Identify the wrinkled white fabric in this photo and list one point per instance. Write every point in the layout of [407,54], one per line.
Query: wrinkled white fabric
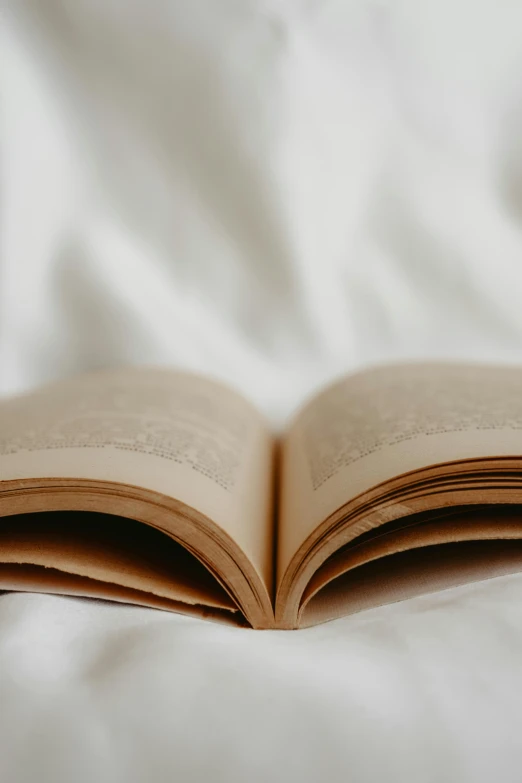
[273,193]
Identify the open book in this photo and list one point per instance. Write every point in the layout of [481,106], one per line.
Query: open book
[166,489]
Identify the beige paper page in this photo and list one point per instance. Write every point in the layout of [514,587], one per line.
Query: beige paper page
[170,432]
[120,553]
[375,425]
[413,573]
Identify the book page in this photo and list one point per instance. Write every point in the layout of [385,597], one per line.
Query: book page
[170,432]
[373,426]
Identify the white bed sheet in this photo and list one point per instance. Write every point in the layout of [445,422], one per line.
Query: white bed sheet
[273,193]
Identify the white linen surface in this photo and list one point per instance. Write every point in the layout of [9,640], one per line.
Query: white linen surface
[273,193]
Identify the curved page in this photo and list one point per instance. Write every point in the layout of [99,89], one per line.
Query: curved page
[373,426]
[169,432]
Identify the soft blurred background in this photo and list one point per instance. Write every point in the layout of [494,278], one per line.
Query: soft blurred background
[269,192]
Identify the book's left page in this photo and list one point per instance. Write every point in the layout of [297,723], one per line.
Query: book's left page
[181,453]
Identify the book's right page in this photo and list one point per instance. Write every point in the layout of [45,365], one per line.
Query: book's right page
[376,426]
